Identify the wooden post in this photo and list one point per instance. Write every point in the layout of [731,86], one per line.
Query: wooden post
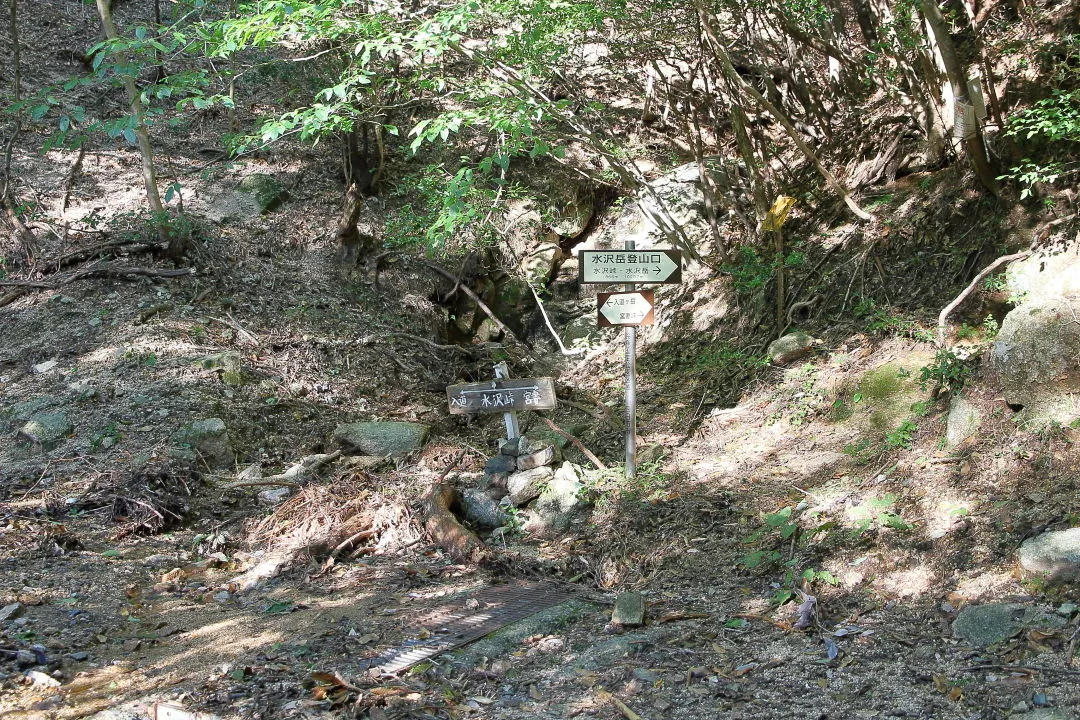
[510,418]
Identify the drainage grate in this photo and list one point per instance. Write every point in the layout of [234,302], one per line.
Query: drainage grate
[470,618]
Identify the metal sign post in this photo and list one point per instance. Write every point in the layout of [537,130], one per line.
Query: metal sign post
[629,309]
[631,389]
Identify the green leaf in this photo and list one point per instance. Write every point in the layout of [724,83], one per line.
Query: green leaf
[129,135]
[114,553]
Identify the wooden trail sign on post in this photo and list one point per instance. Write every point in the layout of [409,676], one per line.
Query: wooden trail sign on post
[501,396]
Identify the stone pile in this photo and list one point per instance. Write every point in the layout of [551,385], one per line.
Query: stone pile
[529,479]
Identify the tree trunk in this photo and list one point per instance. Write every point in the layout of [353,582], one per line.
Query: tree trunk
[16,49]
[165,232]
[972,138]
[733,77]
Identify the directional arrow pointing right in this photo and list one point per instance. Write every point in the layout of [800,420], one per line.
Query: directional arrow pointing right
[666,268]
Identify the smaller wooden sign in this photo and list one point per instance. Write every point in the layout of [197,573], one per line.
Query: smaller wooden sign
[502,396]
[623,309]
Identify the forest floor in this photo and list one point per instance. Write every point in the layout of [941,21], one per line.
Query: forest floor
[898,534]
[830,479]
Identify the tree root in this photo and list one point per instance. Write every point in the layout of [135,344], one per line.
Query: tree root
[577,443]
[944,315]
[444,528]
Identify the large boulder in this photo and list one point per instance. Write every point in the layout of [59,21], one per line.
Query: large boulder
[265,190]
[791,347]
[1037,359]
[1045,275]
[1054,554]
[681,193]
[382,438]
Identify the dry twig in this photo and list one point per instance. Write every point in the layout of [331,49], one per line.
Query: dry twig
[577,443]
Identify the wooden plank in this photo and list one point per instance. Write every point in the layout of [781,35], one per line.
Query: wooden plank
[500,396]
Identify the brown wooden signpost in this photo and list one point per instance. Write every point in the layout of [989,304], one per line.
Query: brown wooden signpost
[501,396]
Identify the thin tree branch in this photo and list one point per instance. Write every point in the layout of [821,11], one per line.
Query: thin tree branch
[943,316]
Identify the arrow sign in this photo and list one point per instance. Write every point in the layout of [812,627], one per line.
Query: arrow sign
[630,266]
[625,308]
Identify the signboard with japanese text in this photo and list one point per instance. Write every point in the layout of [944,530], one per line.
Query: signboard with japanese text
[502,396]
[625,308]
[630,266]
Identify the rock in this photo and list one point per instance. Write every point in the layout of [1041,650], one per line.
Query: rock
[791,347]
[571,210]
[1055,554]
[80,656]
[1045,275]
[527,485]
[580,332]
[12,611]
[560,500]
[23,411]
[545,456]
[963,421]
[25,658]
[500,464]
[521,445]
[382,438]
[266,191]
[230,363]
[481,510]
[494,485]
[251,473]
[1044,714]
[44,367]
[629,610]
[684,198]
[209,438]
[983,625]
[41,679]
[368,463]
[275,496]
[1036,357]
[231,206]
[47,429]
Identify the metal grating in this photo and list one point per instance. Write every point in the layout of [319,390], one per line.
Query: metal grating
[470,618]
